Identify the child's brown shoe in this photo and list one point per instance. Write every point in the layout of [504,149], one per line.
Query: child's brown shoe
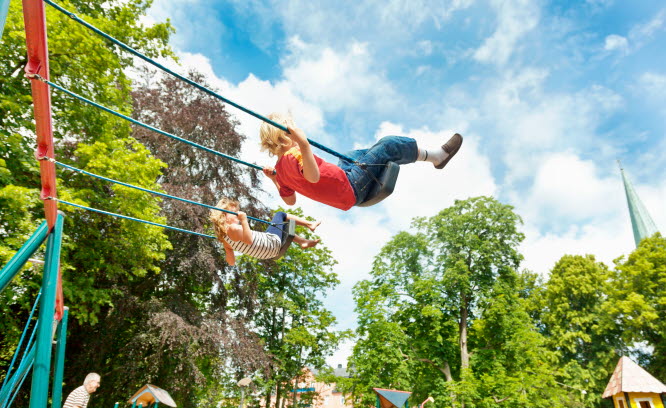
[450,148]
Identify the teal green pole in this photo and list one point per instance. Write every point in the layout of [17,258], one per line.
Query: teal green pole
[21,257]
[4,8]
[61,336]
[134,404]
[378,403]
[24,366]
[114,405]
[40,373]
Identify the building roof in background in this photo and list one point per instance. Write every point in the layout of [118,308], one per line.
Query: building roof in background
[149,394]
[641,222]
[630,377]
[391,398]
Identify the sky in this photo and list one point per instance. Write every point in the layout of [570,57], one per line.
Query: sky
[548,95]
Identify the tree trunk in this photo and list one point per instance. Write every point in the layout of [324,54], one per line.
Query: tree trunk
[268,398]
[464,353]
[278,400]
[293,402]
[464,314]
[447,372]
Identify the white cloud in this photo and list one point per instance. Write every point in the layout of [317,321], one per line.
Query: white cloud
[336,81]
[568,188]
[653,85]
[638,36]
[533,122]
[515,19]
[644,32]
[616,43]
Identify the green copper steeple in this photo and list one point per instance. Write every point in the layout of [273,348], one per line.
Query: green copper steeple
[641,222]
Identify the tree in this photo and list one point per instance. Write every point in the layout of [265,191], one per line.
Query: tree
[100,253]
[639,302]
[184,307]
[578,329]
[289,315]
[429,289]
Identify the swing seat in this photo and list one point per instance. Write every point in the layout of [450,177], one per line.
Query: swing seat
[288,234]
[384,187]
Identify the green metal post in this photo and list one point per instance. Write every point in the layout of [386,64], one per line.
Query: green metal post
[114,405]
[134,404]
[21,257]
[61,338]
[378,403]
[4,8]
[40,374]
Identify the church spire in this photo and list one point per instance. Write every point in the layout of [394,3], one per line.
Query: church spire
[641,222]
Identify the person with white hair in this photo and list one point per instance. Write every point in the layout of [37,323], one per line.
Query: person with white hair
[80,396]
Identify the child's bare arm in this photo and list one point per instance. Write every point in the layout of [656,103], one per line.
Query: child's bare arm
[229,254]
[247,232]
[310,168]
[269,172]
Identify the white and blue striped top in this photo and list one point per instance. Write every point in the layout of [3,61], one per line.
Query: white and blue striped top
[264,245]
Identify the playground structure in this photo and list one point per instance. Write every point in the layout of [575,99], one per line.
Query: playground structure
[631,386]
[391,398]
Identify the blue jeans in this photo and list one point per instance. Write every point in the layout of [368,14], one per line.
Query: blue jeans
[398,149]
[279,219]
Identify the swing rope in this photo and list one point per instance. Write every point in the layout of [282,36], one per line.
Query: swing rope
[150,191]
[129,218]
[136,122]
[187,80]
[20,343]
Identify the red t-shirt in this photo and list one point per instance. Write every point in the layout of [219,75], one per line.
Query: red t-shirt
[332,189]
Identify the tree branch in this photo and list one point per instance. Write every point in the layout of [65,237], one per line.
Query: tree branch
[498,400]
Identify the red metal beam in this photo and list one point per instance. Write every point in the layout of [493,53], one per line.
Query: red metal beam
[34,18]
[38,63]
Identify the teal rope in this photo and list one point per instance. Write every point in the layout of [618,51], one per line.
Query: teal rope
[151,191]
[131,218]
[136,122]
[25,375]
[16,391]
[189,81]
[27,354]
[20,343]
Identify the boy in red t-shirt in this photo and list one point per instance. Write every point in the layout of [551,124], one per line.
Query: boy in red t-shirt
[299,170]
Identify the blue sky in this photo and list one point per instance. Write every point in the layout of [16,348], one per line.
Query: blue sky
[546,94]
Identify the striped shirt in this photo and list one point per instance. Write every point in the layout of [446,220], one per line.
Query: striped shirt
[77,398]
[264,245]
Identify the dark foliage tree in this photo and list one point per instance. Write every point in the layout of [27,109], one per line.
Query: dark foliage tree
[175,327]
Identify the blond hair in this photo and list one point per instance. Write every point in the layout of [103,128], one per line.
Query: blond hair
[274,139]
[219,218]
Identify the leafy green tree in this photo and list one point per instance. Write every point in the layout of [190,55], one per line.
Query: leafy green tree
[100,254]
[639,302]
[576,326]
[511,364]
[289,315]
[443,313]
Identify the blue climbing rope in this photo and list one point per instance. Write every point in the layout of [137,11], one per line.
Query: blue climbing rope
[20,343]
[150,191]
[189,81]
[136,122]
[130,218]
